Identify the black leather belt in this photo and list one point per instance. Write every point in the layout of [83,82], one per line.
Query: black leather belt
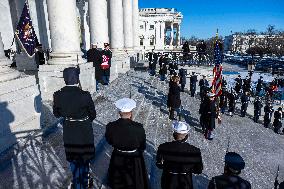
[174,173]
[79,120]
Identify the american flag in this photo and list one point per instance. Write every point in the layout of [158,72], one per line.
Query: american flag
[25,32]
[217,71]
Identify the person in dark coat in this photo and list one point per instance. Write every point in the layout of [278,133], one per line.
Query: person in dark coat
[232,102]
[127,168]
[163,72]
[203,84]
[277,124]
[210,116]
[178,160]
[202,112]
[77,108]
[174,101]
[268,110]
[95,56]
[239,83]
[106,63]
[39,55]
[182,75]
[244,101]
[257,109]
[193,81]
[230,179]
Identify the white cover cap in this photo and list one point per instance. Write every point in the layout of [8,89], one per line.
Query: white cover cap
[180,127]
[125,105]
[211,94]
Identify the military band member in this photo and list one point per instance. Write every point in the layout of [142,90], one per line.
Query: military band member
[193,81]
[178,159]
[163,72]
[268,110]
[77,108]
[223,101]
[247,84]
[127,167]
[239,84]
[277,124]
[244,101]
[257,109]
[230,179]
[259,85]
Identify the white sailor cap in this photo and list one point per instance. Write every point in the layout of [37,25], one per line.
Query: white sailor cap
[180,127]
[211,94]
[125,105]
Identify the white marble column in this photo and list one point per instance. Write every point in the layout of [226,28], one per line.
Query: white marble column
[163,26]
[98,22]
[172,34]
[178,35]
[127,24]
[116,25]
[64,30]
[6,73]
[135,23]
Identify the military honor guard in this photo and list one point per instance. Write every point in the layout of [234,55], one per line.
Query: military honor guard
[230,179]
[174,100]
[210,115]
[127,167]
[231,102]
[78,110]
[178,159]
[163,71]
[244,101]
[193,81]
[257,109]
[277,124]
[239,83]
[106,63]
[268,110]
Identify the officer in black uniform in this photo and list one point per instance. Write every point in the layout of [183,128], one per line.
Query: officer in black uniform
[203,84]
[193,81]
[77,108]
[174,100]
[247,84]
[230,179]
[277,124]
[210,115]
[244,101]
[268,110]
[223,100]
[239,83]
[178,159]
[163,72]
[127,137]
[257,109]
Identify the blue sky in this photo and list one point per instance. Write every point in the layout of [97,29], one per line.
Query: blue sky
[203,17]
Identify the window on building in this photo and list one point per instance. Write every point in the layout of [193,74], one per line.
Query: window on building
[141,41]
[152,27]
[141,26]
[152,41]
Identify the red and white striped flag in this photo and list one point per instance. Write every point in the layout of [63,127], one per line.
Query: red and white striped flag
[217,71]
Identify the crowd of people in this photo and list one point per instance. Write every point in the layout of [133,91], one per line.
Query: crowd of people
[177,159]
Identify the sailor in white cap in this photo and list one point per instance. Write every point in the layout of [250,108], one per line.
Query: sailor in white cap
[128,139]
[178,159]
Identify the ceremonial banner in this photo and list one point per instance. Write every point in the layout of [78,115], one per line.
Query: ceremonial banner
[25,32]
[217,71]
